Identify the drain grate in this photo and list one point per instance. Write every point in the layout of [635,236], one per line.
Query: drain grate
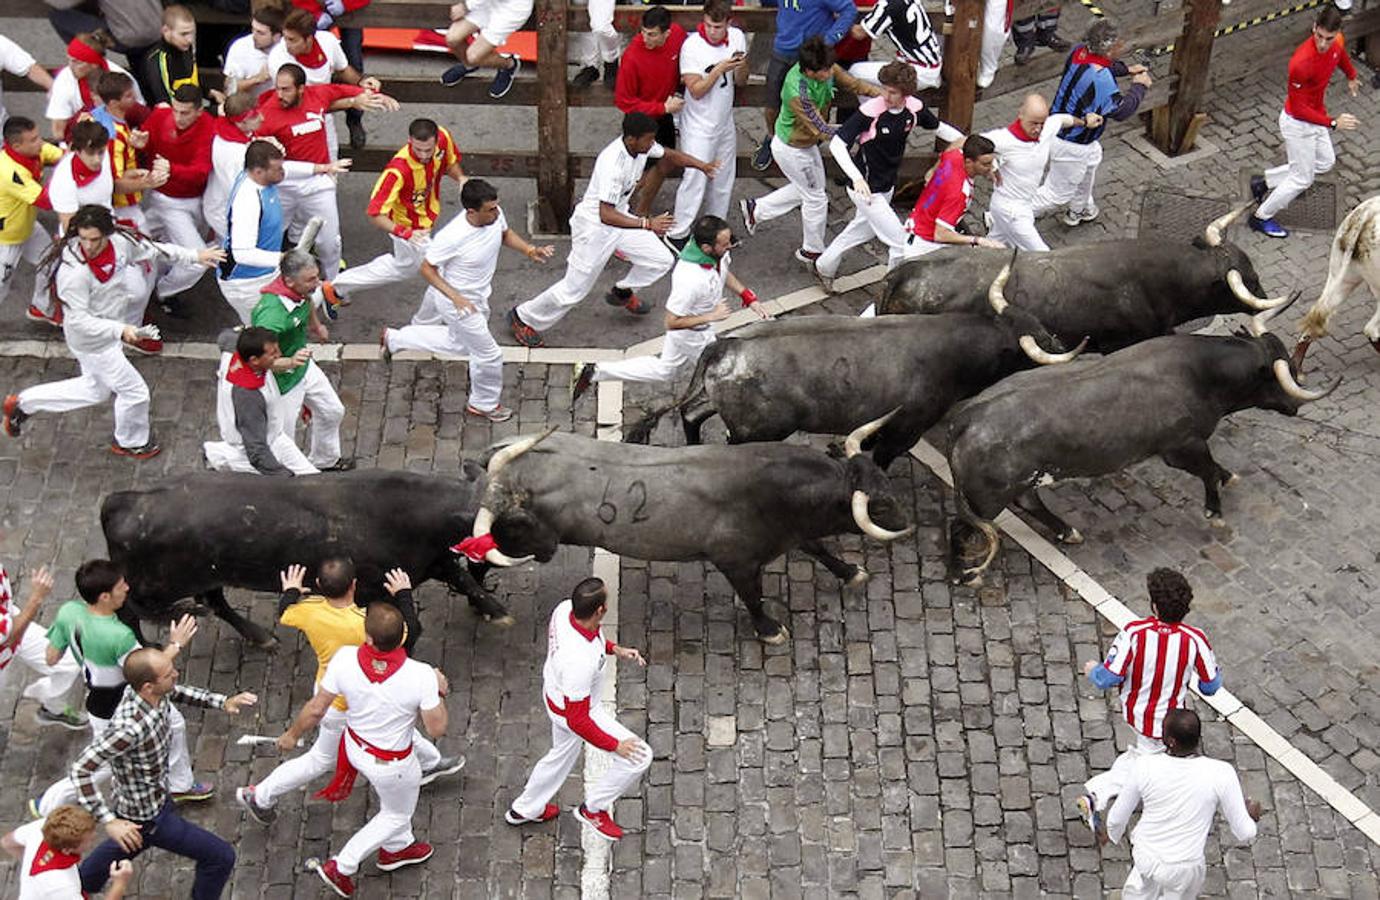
[1315,208]
[1175,216]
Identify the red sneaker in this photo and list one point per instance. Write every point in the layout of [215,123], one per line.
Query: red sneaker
[343,885]
[145,452]
[419,852]
[601,822]
[551,812]
[34,314]
[525,334]
[14,416]
[637,306]
[147,346]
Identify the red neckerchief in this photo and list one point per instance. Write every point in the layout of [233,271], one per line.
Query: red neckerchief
[315,58]
[33,163]
[102,264]
[1082,55]
[279,286]
[378,667]
[712,43]
[89,100]
[48,859]
[1017,129]
[240,374]
[230,131]
[582,630]
[81,174]
[475,548]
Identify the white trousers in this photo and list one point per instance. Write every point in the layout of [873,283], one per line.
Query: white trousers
[601,43]
[551,770]
[1105,786]
[994,34]
[177,220]
[679,349]
[298,209]
[30,250]
[1072,169]
[804,169]
[50,688]
[102,374]
[1310,153]
[242,294]
[1013,224]
[226,457]
[320,759]
[918,246]
[591,245]
[316,393]
[402,262]
[180,776]
[925,76]
[458,335]
[698,193]
[1150,879]
[396,785]
[872,218]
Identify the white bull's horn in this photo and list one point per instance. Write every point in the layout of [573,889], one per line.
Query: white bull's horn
[511,452]
[852,445]
[1243,293]
[1045,358]
[869,527]
[1292,387]
[483,522]
[1213,233]
[1259,323]
[996,294]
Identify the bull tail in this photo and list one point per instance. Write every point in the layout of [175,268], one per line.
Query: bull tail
[1353,230]
[641,431]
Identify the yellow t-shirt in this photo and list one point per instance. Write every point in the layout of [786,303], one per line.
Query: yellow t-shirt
[19,190]
[328,628]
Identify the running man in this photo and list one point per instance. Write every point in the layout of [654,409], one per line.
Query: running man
[944,201]
[490,23]
[918,45]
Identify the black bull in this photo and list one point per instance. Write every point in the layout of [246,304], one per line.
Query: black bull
[738,507]
[1162,397]
[195,535]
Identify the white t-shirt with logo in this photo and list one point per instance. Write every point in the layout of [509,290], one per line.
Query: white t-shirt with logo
[51,884]
[466,256]
[615,177]
[714,110]
[66,196]
[575,665]
[15,60]
[244,60]
[383,713]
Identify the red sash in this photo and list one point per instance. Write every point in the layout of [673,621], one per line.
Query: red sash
[345,772]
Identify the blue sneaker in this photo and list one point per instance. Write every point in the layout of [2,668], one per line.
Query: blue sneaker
[1268,227]
[1258,188]
[503,81]
[761,160]
[456,73]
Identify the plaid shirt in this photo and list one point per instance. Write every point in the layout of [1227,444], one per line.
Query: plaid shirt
[136,748]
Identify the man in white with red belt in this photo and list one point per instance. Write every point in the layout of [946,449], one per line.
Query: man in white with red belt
[572,685]
[386,692]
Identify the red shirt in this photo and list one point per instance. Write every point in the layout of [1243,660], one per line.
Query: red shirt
[188,152]
[647,77]
[1309,73]
[302,129]
[944,199]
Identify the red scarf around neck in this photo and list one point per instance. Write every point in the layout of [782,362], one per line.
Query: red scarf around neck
[81,173]
[314,58]
[713,43]
[102,265]
[378,666]
[1017,129]
[48,859]
[33,163]
[241,375]
[280,287]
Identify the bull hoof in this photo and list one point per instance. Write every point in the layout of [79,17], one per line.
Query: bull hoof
[860,577]
[503,621]
[1227,480]
[1073,536]
[782,635]
[969,577]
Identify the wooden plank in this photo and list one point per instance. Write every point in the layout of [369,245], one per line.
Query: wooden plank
[961,51]
[1192,62]
[555,189]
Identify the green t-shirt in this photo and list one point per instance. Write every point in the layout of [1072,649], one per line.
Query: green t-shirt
[99,643]
[291,327]
[821,94]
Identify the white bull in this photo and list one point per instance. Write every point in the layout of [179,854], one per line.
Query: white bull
[1355,258]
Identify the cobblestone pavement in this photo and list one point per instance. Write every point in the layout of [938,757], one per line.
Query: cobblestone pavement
[913,739]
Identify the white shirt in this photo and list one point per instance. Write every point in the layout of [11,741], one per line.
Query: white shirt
[383,713]
[8,608]
[95,310]
[53,884]
[330,48]
[574,667]
[696,288]
[714,110]
[1181,796]
[15,60]
[244,60]
[1022,163]
[64,100]
[64,194]
[615,177]
[466,257]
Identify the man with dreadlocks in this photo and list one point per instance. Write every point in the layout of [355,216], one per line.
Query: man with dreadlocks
[99,274]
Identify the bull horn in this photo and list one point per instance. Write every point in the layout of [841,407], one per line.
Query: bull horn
[1242,293]
[1044,357]
[869,527]
[996,294]
[852,445]
[1260,322]
[1213,233]
[516,449]
[483,522]
[1292,387]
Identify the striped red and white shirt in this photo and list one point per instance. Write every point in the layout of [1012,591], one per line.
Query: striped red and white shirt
[1153,661]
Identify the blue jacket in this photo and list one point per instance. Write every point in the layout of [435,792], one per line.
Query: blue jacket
[1089,85]
[797,20]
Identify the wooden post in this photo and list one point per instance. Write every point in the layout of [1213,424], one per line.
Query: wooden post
[962,52]
[555,188]
[1174,126]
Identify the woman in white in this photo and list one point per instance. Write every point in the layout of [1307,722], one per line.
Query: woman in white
[74,88]
[99,267]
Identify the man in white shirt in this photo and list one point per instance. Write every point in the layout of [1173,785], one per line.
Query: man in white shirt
[459,269]
[246,59]
[573,690]
[601,226]
[696,302]
[713,61]
[49,850]
[1180,792]
[17,61]
[1022,156]
[81,177]
[386,692]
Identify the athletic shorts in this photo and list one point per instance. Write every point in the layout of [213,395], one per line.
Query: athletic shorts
[498,19]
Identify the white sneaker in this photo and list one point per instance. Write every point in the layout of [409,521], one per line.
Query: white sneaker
[1073,219]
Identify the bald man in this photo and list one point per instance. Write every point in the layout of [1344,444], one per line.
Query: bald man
[1022,155]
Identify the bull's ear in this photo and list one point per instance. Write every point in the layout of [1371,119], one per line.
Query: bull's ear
[1200,243]
[472,470]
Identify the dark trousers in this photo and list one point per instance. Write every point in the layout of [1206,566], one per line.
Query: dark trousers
[168,831]
[352,43]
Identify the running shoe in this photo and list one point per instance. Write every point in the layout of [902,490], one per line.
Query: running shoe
[67,718]
[201,790]
[749,211]
[448,765]
[147,451]
[601,823]
[585,77]
[264,815]
[580,381]
[418,852]
[550,812]
[525,334]
[343,885]
[499,413]
[456,73]
[761,160]
[14,416]
[1268,227]
[503,81]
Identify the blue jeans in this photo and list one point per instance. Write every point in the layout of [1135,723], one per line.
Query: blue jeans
[352,44]
[169,831]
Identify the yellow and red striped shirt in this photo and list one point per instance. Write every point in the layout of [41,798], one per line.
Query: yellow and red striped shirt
[409,192]
[122,158]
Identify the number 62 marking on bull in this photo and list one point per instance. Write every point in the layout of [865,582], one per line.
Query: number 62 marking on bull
[607,511]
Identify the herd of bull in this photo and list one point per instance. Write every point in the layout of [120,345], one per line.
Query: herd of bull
[983,337]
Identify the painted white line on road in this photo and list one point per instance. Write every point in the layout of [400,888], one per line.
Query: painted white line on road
[1241,717]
